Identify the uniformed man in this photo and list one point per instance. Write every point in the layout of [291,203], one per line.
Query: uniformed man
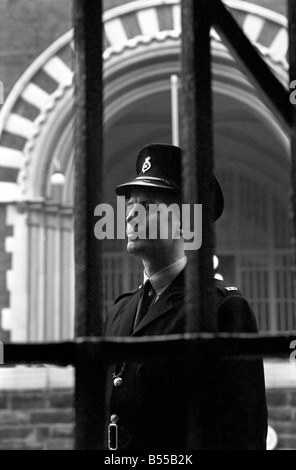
[147,399]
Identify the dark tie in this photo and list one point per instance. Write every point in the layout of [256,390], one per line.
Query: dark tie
[148,295]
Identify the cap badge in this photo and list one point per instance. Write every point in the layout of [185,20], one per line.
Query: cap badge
[146,165]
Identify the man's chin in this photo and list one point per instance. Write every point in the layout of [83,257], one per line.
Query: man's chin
[135,247]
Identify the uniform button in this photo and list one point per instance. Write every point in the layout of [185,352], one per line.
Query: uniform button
[114,419]
[117,382]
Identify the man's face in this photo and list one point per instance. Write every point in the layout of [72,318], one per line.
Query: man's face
[151,228]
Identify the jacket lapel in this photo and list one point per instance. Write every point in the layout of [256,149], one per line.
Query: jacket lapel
[164,303]
[127,315]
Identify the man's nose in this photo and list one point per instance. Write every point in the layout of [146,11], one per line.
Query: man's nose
[131,213]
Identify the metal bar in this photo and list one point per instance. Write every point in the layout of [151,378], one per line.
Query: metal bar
[90,367]
[57,354]
[292,61]
[259,73]
[197,174]
[90,382]
[212,345]
[88,166]
[198,160]
[228,345]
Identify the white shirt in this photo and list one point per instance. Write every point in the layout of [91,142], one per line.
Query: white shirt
[160,281]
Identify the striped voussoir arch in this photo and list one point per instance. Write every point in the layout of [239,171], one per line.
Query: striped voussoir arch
[45,81]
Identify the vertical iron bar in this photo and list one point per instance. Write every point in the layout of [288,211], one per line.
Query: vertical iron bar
[197,188]
[292,61]
[88,194]
[198,160]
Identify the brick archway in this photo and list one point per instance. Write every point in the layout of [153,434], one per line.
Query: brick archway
[45,84]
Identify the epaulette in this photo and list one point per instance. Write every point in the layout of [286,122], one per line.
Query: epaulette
[226,288]
[126,294]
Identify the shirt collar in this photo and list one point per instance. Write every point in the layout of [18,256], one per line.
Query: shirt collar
[161,280]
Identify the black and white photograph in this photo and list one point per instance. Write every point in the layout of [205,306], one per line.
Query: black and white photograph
[147,227]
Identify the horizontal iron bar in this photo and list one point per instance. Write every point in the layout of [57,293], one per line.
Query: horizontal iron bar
[189,345]
[59,354]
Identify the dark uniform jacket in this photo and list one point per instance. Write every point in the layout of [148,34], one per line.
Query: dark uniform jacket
[152,402]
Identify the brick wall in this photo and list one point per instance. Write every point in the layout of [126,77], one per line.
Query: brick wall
[36,420]
[282,416]
[26,29]
[44,420]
